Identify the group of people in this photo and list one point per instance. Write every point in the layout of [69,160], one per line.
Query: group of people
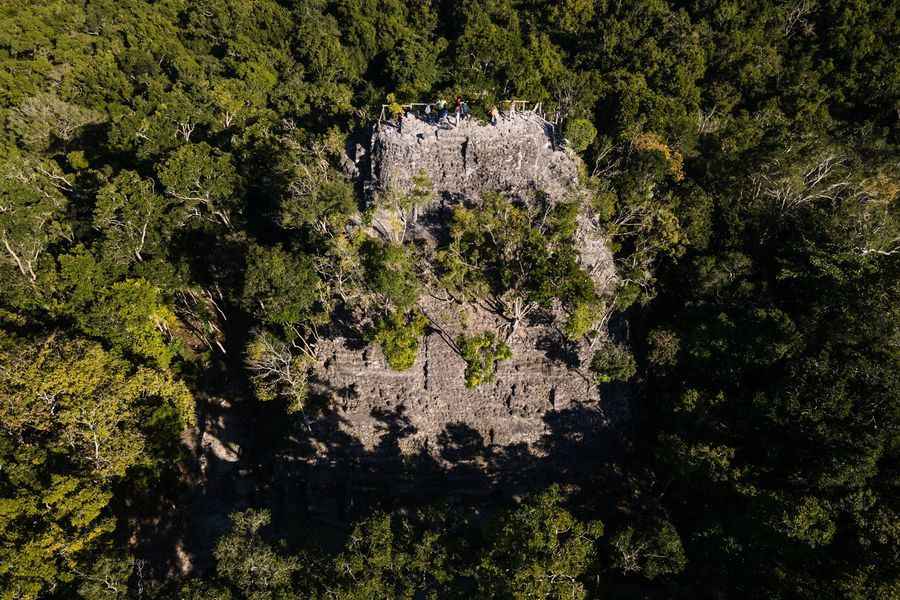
[440,112]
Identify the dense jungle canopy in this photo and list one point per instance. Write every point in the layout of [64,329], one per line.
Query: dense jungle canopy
[176,225]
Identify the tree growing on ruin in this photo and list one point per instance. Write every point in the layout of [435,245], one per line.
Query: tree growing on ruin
[398,336]
[482,352]
[390,273]
[519,259]
[401,208]
[279,370]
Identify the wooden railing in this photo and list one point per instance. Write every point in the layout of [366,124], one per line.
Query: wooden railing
[507,107]
[518,106]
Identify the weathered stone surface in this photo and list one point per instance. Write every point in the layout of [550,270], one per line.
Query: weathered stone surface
[433,394]
[546,375]
[518,156]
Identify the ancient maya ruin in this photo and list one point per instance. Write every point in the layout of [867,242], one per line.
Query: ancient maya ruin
[521,156]
[421,432]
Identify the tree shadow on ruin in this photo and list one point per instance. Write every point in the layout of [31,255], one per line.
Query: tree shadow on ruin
[319,479]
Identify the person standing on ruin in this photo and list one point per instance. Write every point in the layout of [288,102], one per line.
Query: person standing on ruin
[495,115]
[458,109]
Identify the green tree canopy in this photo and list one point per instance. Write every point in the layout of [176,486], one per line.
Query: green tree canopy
[280,287]
[73,420]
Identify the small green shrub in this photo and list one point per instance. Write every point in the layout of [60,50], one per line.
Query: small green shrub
[482,353]
[580,320]
[398,335]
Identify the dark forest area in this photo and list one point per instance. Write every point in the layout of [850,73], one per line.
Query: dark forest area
[178,228]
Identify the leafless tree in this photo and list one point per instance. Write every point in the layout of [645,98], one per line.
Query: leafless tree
[874,215]
[43,117]
[184,130]
[707,121]
[280,369]
[796,17]
[785,190]
[607,162]
[198,310]
[30,221]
